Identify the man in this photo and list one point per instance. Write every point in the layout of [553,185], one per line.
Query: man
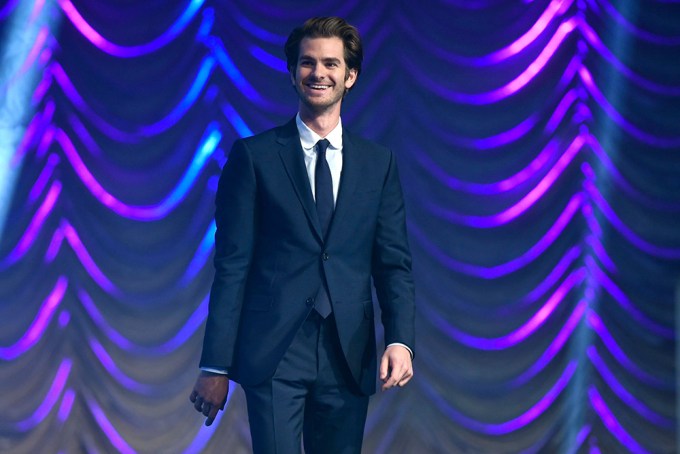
[307,214]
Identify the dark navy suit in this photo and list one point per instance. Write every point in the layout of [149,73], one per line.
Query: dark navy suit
[271,258]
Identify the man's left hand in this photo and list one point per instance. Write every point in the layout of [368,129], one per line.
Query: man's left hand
[396,368]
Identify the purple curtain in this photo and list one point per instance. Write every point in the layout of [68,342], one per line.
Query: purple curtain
[539,150]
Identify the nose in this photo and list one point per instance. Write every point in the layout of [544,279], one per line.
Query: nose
[318,72]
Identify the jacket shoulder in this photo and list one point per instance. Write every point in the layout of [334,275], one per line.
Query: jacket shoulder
[368,152]
[266,139]
[366,144]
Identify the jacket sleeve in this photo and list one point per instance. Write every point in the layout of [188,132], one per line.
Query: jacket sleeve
[391,264]
[235,216]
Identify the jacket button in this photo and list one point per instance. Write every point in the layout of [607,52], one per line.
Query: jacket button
[324,256]
[309,301]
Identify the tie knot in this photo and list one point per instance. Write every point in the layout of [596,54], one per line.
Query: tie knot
[322,145]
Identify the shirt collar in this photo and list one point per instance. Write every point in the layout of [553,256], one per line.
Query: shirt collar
[309,138]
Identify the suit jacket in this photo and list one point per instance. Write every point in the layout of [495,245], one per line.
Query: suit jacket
[271,257]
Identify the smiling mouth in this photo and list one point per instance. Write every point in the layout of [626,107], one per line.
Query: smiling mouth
[318,87]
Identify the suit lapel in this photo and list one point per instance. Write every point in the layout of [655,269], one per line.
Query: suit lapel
[292,157]
[351,172]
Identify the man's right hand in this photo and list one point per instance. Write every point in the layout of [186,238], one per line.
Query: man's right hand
[210,394]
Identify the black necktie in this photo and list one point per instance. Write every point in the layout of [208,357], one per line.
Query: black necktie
[323,191]
[323,186]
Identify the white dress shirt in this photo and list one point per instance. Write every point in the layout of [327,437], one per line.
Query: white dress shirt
[308,140]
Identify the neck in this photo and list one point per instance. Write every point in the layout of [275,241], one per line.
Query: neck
[321,123]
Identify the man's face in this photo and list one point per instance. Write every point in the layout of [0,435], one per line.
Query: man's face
[321,75]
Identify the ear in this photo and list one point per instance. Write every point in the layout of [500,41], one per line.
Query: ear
[351,79]
[291,72]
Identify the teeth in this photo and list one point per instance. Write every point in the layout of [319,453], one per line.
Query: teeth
[319,87]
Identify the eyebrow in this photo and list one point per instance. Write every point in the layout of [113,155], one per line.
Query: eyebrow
[325,60]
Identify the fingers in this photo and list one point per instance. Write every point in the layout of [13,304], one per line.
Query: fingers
[399,377]
[206,408]
[201,405]
[212,414]
[393,379]
[384,365]
[405,378]
[209,395]
[390,381]
[198,404]
[398,366]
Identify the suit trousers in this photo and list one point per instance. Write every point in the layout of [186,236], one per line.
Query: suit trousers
[311,394]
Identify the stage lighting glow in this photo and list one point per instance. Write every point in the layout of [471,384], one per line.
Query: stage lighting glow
[24,38]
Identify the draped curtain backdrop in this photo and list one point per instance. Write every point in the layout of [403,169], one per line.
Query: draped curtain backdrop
[539,150]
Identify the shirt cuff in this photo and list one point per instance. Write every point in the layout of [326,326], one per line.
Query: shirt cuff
[403,345]
[216,371]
